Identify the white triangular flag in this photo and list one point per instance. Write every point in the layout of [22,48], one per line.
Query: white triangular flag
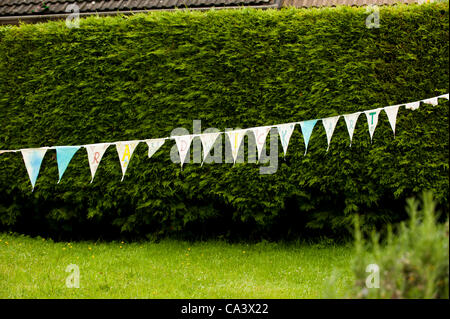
[433,101]
[443,96]
[372,120]
[329,124]
[33,159]
[235,138]
[125,151]
[350,120]
[183,145]
[260,137]
[285,132]
[95,154]
[154,145]
[208,140]
[391,112]
[412,106]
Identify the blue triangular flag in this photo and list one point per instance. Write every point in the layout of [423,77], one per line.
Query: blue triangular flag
[307,127]
[64,155]
[33,160]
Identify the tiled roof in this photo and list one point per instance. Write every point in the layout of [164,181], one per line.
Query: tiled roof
[329,3]
[43,7]
[11,11]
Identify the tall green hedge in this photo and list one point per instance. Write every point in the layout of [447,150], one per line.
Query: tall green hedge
[140,76]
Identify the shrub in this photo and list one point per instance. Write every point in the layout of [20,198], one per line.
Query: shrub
[413,262]
[140,76]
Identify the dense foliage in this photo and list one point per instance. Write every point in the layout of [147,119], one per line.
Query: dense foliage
[140,76]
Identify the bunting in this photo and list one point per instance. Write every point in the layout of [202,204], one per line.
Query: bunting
[372,120]
[391,112]
[235,138]
[350,120]
[208,140]
[125,151]
[33,157]
[183,144]
[329,124]
[307,127]
[285,132]
[95,154]
[64,155]
[260,138]
[154,145]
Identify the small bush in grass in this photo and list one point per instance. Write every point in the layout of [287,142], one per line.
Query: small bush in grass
[413,261]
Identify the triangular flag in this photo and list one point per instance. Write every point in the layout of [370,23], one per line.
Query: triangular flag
[154,145]
[372,120]
[412,106]
[307,127]
[208,140]
[235,141]
[260,137]
[183,145]
[64,155]
[350,120]
[95,153]
[285,132]
[433,101]
[443,96]
[125,151]
[329,124]
[391,112]
[33,160]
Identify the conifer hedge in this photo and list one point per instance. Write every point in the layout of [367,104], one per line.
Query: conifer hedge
[141,76]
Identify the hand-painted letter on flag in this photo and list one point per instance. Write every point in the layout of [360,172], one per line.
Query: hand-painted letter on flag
[208,140]
[33,160]
[329,124]
[235,138]
[260,138]
[307,127]
[154,145]
[183,145]
[125,151]
[372,120]
[95,154]
[350,120]
[285,132]
[391,112]
[64,155]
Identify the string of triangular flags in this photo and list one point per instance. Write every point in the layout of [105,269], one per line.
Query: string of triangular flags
[33,156]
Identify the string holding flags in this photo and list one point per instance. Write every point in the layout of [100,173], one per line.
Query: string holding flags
[33,157]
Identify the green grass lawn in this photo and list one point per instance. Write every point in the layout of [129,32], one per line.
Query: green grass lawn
[36,268]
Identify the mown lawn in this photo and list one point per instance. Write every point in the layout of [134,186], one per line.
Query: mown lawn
[36,268]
